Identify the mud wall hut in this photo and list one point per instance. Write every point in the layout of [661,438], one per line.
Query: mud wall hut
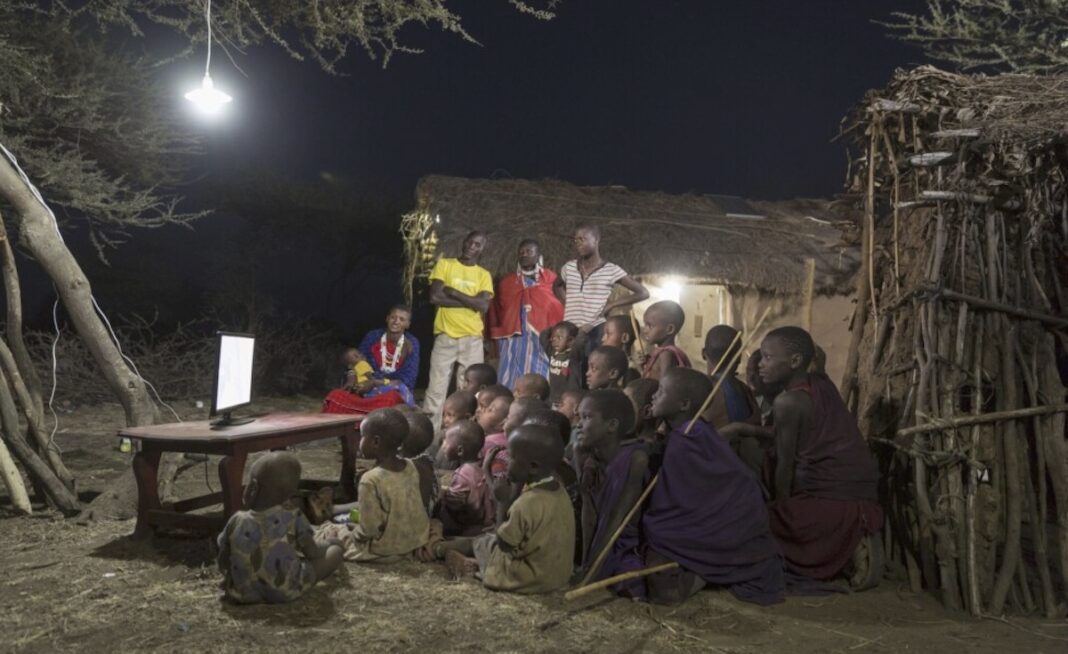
[723,258]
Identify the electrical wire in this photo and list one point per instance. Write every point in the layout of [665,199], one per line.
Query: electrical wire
[55,307]
[55,365]
[207,18]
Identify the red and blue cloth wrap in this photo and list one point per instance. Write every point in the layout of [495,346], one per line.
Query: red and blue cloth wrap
[399,391]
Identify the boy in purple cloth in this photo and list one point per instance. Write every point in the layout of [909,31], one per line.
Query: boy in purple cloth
[707,512]
[825,514]
[616,471]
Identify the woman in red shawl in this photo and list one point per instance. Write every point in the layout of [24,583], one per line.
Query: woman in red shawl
[523,306]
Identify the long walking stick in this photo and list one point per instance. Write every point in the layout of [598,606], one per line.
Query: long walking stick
[626,576]
[733,360]
[603,554]
[637,332]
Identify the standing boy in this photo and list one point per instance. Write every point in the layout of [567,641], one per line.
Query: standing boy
[586,282]
[461,289]
[662,322]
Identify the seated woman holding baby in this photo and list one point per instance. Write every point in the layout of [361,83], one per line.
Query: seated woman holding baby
[393,355]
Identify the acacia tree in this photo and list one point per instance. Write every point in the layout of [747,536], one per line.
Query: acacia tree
[96,133]
[1021,36]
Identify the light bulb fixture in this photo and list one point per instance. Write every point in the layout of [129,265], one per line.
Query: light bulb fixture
[669,289]
[207,98]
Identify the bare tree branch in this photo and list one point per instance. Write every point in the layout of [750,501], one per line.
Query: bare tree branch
[1022,36]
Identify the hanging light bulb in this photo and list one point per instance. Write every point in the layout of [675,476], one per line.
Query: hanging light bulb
[207,98]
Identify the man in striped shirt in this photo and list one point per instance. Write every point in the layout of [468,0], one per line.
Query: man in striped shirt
[586,283]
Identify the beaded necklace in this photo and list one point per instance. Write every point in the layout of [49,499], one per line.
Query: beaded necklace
[389,363]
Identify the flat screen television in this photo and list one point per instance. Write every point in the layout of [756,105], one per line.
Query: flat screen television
[233,377]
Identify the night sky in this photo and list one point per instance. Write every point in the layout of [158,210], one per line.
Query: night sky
[736,98]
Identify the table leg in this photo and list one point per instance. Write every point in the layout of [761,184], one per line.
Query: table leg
[350,446]
[146,473]
[231,472]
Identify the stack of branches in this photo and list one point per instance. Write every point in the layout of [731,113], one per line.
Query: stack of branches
[961,303]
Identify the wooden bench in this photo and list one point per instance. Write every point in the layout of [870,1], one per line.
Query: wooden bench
[234,444]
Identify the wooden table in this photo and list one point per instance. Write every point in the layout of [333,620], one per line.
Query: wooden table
[270,432]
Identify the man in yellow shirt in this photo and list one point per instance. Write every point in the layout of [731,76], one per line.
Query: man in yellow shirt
[461,289]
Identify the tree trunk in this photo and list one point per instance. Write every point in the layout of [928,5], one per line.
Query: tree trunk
[16,489]
[39,233]
[34,417]
[13,327]
[63,497]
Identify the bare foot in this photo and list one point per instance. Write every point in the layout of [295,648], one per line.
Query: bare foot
[459,566]
[868,563]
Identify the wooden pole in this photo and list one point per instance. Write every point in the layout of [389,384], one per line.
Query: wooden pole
[637,331]
[806,293]
[733,360]
[20,499]
[603,554]
[626,576]
[997,416]
[982,303]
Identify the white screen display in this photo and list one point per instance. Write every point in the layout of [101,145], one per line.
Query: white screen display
[235,371]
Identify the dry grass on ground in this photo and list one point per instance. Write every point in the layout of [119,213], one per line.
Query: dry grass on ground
[89,588]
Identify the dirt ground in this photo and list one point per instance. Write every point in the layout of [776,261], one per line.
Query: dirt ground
[67,587]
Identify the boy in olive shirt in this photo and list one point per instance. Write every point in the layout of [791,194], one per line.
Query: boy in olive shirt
[533,547]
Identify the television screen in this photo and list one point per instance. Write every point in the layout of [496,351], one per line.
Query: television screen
[233,374]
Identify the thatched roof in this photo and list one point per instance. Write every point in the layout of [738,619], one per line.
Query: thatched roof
[706,238]
[1019,111]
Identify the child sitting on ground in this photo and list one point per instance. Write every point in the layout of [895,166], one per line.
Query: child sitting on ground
[478,376]
[461,405]
[258,548]
[569,404]
[606,368]
[565,472]
[616,472]
[662,323]
[532,385]
[533,546]
[640,392]
[567,359]
[734,402]
[393,521]
[707,511]
[420,436]
[520,410]
[619,332]
[494,403]
[358,371]
[466,506]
